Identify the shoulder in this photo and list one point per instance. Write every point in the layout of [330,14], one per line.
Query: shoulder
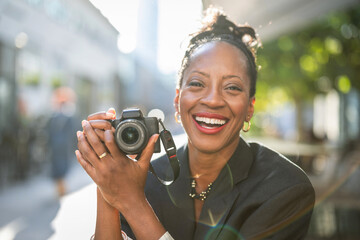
[272,162]
[271,174]
[276,190]
[274,183]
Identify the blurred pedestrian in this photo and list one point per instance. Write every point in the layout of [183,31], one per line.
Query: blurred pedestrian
[61,127]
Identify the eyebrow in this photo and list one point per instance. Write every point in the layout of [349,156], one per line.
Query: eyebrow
[223,78]
[232,76]
[201,73]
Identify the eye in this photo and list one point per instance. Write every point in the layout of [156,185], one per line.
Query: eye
[195,83]
[234,88]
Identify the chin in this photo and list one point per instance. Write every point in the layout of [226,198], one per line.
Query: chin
[211,143]
[208,146]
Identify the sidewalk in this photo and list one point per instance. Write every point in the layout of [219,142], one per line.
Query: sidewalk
[28,208]
[31,210]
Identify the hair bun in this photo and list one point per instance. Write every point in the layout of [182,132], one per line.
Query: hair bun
[221,25]
[216,23]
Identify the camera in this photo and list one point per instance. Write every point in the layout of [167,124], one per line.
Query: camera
[133,130]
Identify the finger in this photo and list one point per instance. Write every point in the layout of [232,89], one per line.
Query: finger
[89,169]
[93,139]
[111,145]
[100,134]
[112,111]
[100,124]
[146,154]
[86,150]
[79,146]
[109,114]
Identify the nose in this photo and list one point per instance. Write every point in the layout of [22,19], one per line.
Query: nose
[213,98]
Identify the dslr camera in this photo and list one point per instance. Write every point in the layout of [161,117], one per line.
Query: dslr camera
[133,130]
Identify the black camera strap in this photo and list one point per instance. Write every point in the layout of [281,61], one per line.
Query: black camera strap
[170,149]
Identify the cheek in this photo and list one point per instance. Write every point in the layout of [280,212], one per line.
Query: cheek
[239,109]
[186,100]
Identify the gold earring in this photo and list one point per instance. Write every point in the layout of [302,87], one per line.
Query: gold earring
[247,128]
[177,117]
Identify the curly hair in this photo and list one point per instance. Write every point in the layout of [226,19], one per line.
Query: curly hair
[217,27]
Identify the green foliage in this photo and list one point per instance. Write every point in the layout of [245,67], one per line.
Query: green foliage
[328,52]
[31,79]
[344,84]
[56,81]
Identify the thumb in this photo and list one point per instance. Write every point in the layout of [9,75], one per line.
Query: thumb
[146,154]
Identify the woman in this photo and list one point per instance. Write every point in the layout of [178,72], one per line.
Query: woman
[227,188]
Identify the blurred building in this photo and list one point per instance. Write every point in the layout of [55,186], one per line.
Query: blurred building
[148,88]
[146,75]
[45,44]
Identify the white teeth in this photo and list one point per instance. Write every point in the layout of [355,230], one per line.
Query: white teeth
[210,120]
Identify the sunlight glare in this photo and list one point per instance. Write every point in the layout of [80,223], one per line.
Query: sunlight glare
[123,16]
[176,21]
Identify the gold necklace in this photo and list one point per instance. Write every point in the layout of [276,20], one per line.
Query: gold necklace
[201,196]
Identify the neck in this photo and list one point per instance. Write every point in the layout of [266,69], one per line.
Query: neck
[206,166]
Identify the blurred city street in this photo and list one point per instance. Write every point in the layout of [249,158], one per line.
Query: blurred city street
[29,210]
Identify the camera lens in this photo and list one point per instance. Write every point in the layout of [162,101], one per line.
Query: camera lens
[130,135]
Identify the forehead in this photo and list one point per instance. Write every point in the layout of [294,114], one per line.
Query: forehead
[219,53]
[219,57]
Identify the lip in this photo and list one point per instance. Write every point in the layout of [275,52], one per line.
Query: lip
[209,115]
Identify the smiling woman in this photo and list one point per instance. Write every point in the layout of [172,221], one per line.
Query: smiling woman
[227,188]
[216,87]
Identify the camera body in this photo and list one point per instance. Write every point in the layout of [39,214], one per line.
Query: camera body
[133,131]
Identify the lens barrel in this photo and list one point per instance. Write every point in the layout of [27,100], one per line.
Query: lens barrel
[131,136]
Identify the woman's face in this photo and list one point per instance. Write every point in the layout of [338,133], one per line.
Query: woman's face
[213,100]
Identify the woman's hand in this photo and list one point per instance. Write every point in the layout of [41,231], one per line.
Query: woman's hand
[120,179]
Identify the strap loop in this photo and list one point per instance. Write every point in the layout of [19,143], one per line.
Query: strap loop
[170,149]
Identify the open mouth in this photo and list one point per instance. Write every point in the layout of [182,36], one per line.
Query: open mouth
[210,123]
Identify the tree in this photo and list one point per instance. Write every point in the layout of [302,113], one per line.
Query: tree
[317,59]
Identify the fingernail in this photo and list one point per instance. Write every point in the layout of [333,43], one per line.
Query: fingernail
[156,138]
[83,123]
[78,133]
[112,110]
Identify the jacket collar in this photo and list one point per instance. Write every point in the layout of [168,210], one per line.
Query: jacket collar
[240,162]
[219,202]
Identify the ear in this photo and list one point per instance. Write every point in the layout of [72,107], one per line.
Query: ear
[176,100]
[251,109]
